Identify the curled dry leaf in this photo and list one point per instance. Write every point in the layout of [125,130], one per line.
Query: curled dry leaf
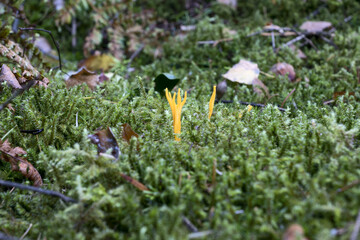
[7,75]
[127,132]
[134,182]
[105,140]
[294,232]
[83,76]
[98,62]
[221,89]
[19,164]
[315,26]
[284,69]
[300,54]
[246,72]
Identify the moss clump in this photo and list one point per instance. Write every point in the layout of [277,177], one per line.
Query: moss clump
[272,168]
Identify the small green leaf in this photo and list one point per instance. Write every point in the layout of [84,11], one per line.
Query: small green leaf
[165,80]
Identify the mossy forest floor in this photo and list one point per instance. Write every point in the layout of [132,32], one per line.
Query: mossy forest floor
[228,177]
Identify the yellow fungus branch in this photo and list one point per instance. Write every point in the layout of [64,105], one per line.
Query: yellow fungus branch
[212,101]
[176,110]
[249,107]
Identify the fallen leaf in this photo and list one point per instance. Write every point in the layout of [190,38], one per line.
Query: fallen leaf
[7,75]
[165,80]
[315,26]
[19,164]
[83,76]
[272,27]
[221,89]
[300,54]
[259,87]
[134,182]
[9,106]
[342,93]
[98,62]
[105,140]
[284,69]
[294,232]
[246,72]
[187,28]
[103,78]
[243,72]
[230,3]
[127,132]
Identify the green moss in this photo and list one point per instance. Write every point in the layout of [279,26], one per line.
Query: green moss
[274,168]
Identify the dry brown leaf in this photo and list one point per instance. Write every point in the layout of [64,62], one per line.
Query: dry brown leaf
[315,26]
[342,93]
[259,87]
[19,164]
[221,89]
[105,140]
[83,76]
[134,182]
[272,27]
[127,132]
[294,232]
[300,54]
[7,75]
[100,62]
[284,69]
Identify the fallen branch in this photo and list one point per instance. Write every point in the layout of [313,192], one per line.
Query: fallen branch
[17,92]
[52,38]
[292,91]
[351,185]
[215,42]
[39,190]
[189,224]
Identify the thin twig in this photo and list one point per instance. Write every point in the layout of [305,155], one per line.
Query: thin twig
[26,232]
[249,103]
[37,189]
[189,224]
[273,41]
[350,185]
[214,43]
[329,41]
[292,91]
[316,12]
[292,41]
[132,57]
[34,132]
[355,233]
[17,92]
[52,37]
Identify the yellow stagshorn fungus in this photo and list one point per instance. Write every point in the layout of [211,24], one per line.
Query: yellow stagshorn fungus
[176,110]
[211,103]
[248,109]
